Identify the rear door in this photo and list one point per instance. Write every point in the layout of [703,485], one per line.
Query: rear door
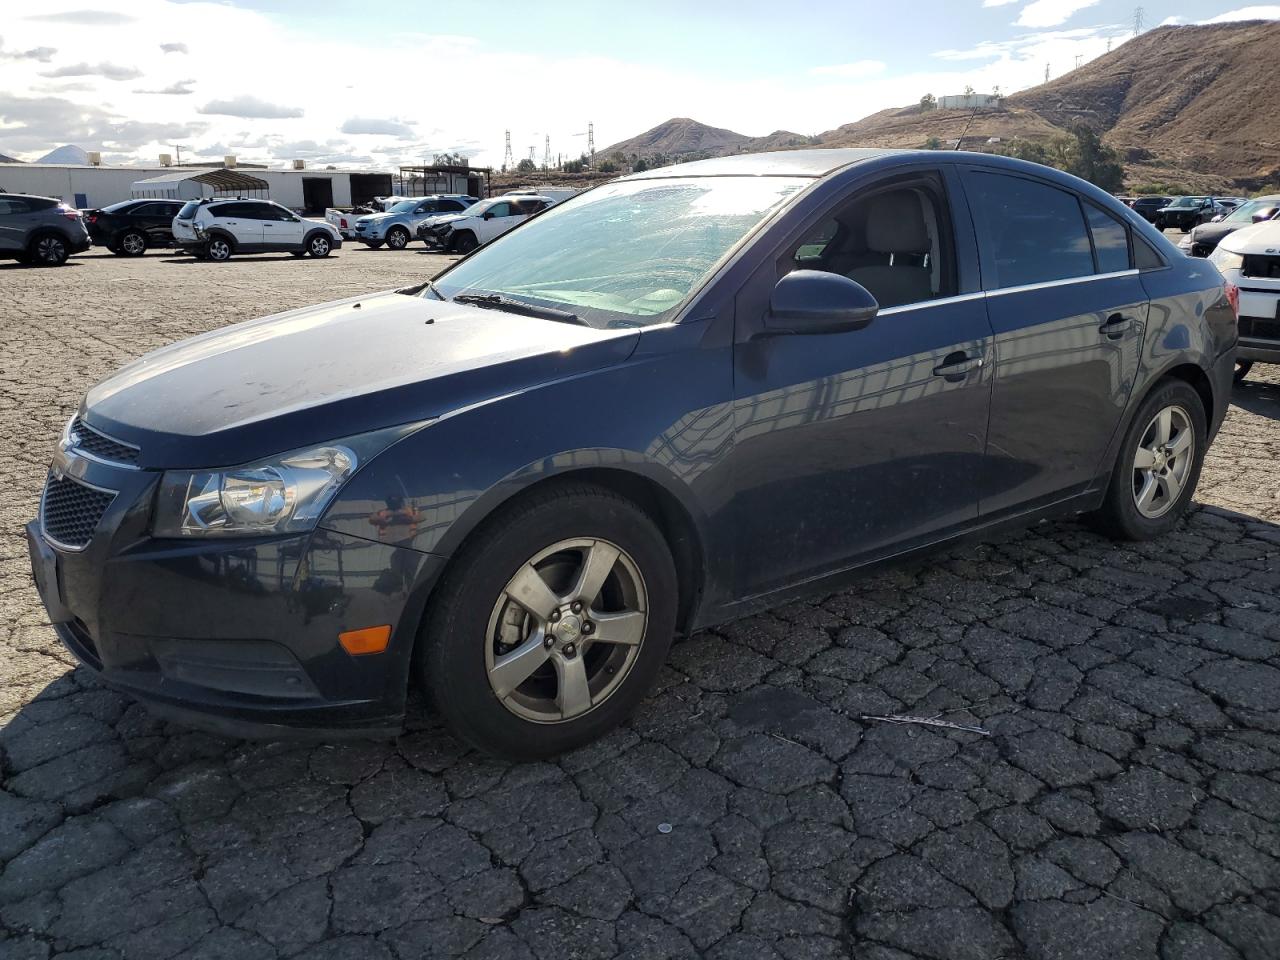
[1068,312]
[242,220]
[13,223]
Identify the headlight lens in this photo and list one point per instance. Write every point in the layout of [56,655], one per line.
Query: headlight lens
[284,494]
[1226,260]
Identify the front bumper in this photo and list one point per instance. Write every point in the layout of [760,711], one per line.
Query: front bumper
[238,637]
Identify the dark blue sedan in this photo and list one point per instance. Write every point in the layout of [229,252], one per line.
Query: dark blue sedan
[674,399]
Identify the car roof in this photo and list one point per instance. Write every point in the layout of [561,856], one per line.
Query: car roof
[1257,238]
[780,163]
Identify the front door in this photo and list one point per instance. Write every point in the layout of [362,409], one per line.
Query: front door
[858,444]
[1068,312]
[496,221]
[281,229]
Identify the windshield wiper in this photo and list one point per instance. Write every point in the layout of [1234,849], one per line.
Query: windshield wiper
[495,301]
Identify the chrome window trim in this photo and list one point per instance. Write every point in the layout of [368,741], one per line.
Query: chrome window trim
[1001,291]
[941,301]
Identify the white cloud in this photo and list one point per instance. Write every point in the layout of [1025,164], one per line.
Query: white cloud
[111,71]
[997,3]
[858,68]
[1050,13]
[174,48]
[1172,21]
[1268,11]
[250,107]
[393,128]
[180,88]
[39,54]
[88,18]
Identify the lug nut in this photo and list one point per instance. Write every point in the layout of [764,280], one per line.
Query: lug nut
[576,606]
[569,650]
[555,615]
[548,641]
[588,626]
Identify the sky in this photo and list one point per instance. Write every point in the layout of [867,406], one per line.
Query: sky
[376,84]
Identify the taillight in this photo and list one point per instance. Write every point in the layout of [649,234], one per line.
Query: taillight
[1233,298]
[344,222]
[91,218]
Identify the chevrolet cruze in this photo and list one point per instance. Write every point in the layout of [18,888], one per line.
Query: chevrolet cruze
[672,400]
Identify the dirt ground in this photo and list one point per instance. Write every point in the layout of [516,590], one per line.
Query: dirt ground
[1125,805]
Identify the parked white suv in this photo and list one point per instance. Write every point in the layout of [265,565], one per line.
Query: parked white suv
[1249,260]
[214,228]
[483,222]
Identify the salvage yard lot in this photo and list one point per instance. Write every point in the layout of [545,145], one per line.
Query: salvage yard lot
[1125,805]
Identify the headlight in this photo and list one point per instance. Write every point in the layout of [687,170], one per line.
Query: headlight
[284,494]
[1226,260]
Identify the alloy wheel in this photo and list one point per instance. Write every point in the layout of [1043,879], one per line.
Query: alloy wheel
[219,250]
[133,244]
[397,239]
[51,250]
[319,247]
[1163,461]
[566,630]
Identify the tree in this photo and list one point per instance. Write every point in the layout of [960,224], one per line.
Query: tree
[573,166]
[968,90]
[526,166]
[933,143]
[640,166]
[1081,154]
[928,102]
[608,166]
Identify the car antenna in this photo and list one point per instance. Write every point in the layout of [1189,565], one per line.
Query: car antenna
[966,129]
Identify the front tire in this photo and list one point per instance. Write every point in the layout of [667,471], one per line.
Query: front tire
[465,242]
[131,244]
[1158,465]
[376,245]
[551,624]
[397,238]
[319,245]
[1242,370]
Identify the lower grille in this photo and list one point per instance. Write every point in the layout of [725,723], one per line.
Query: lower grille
[1260,266]
[70,512]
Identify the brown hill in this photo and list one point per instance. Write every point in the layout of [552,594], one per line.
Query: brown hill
[1182,105]
[679,136]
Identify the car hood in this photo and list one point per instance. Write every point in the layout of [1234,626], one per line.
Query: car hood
[335,370]
[1263,238]
[376,217]
[1213,231]
[450,218]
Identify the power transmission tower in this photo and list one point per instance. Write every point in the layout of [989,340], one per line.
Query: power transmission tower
[1138,14]
[1108,44]
[1046,73]
[1079,57]
[591,143]
[508,161]
[546,155]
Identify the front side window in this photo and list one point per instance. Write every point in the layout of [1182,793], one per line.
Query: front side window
[1031,232]
[624,254]
[894,240]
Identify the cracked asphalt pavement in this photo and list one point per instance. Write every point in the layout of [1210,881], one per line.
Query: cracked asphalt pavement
[1125,804]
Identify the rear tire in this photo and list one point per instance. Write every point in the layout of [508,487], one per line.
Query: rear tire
[1242,370]
[218,249]
[578,682]
[376,245]
[397,238]
[132,243]
[1158,466]
[49,250]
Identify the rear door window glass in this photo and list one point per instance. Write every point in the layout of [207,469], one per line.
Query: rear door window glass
[1110,240]
[1030,232]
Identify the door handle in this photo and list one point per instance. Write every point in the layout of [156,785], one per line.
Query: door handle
[956,366]
[1117,326]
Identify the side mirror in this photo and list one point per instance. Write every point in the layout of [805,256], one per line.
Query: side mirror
[1263,216]
[812,301]
[488,214]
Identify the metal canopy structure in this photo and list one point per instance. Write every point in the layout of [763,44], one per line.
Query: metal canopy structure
[444,178]
[222,182]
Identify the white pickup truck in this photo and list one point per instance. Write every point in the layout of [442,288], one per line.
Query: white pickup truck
[344,218]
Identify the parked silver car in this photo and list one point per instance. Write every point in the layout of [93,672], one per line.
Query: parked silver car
[399,225]
[40,230]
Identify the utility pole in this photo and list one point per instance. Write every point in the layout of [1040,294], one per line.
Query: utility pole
[1108,44]
[546,155]
[1138,14]
[177,153]
[508,161]
[1079,57]
[591,143]
[1046,73]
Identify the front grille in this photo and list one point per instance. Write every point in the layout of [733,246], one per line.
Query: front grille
[99,445]
[70,512]
[1260,266]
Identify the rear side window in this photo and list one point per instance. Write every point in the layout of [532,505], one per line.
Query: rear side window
[1145,256]
[1031,232]
[10,207]
[1110,240]
[446,205]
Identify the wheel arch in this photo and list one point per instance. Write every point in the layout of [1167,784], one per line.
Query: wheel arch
[314,232]
[673,518]
[222,234]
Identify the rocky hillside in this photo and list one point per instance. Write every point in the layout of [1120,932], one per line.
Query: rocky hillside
[1182,105]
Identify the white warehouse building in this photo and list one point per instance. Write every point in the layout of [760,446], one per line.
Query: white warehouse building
[309,191]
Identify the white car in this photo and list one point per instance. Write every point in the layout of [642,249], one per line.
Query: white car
[1249,261]
[558,194]
[214,228]
[481,223]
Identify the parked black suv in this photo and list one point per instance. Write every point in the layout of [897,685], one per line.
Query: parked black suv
[129,227]
[40,230]
[1148,207]
[1185,213]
